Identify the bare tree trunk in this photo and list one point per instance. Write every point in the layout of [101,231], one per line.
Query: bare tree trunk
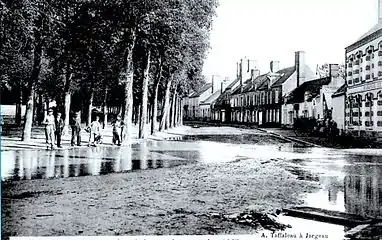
[27,131]
[168,114]
[19,105]
[166,107]
[177,111]
[105,109]
[173,112]
[129,73]
[155,99]
[181,112]
[143,113]
[90,106]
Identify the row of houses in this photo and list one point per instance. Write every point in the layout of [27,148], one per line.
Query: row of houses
[276,98]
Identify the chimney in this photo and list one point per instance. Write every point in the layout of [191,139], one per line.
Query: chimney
[334,70]
[241,72]
[299,64]
[274,66]
[221,87]
[237,69]
[379,11]
[254,73]
[212,89]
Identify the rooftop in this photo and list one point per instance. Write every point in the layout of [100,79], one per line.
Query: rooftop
[201,90]
[313,87]
[340,91]
[211,98]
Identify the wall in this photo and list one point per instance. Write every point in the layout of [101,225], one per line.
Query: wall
[338,113]
[290,84]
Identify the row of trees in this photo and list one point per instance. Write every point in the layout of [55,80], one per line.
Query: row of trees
[152,49]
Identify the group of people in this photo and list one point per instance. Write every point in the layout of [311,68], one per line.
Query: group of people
[54,127]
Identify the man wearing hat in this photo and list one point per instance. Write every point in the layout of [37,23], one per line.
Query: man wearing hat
[59,127]
[76,129]
[50,128]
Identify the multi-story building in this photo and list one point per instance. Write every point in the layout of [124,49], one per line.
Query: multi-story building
[363,103]
[195,107]
[221,108]
[259,100]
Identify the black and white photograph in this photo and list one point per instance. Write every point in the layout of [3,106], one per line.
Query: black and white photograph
[191,119]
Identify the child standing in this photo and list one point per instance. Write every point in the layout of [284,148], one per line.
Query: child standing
[59,128]
[50,128]
[95,132]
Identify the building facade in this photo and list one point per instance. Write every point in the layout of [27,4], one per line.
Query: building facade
[313,98]
[363,102]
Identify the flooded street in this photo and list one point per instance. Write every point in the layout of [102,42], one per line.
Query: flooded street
[200,174]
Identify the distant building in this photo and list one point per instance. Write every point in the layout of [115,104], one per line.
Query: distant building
[221,108]
[363,103]
[192,106]
[313,98]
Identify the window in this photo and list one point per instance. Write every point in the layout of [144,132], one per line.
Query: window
[367,67]
[379,123]
[369,124]
[350,73]
[356,80]
[356,71]
[379,53]
[380,74]
[372,65]
[379,113]
[379,102]
[372,75]
[350,65]
[367,76]
[356,62]
[350,82]
[367,114]
[368,58]
[276,96]
[379,63]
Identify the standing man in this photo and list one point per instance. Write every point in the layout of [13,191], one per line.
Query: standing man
[117,131]
[59,128]
[76,130]
[50,128]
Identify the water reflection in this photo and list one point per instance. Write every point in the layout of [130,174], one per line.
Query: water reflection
[77,162]
[352,184]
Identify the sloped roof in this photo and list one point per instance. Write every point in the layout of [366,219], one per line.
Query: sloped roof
[375,28]
[286,73]
[232,84]
[314,86]
[201,90]
[340,91]
[222,97]
[257,81]
[212,98]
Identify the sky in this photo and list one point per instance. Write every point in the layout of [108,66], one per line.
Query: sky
[266,30]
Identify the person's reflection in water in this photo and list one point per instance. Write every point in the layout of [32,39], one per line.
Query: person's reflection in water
[116,154]
[94,157]
[76,162]
[20,164]
[143,155]
[50,164]
[126,158]
[65,163]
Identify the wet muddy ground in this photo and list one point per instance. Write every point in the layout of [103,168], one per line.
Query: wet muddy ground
[179,187]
